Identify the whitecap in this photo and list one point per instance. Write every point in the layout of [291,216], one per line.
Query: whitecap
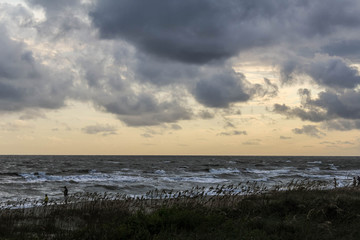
[332,167]
[161,172]
[193,179]
[315,162]
[272,172]
[313,169]
[224,171]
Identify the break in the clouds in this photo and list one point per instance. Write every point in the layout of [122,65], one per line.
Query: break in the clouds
[155,62]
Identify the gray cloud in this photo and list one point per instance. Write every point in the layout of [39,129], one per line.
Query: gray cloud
[233,133]
[344,48]
[32,114]
[188,31]
[25,82]
[284,138]
[182,48]
[325,19]
[342,124]
[344,104]
[252,142]
[309,130]
[104,130]
[221,89]
[335,144]
[62,18]
[52,6]
[337,108]
[206,114]
[303,114]
[14,126]
[202,31]
[147,135]
[334,73]
[176,127]
[143,109]
[324,71]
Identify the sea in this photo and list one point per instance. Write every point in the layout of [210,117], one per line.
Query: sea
[31,177]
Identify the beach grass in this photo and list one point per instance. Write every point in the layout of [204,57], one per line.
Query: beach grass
[297,210]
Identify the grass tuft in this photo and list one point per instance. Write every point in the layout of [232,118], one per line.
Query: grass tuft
[298,210]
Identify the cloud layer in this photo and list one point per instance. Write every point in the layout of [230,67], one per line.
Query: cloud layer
[151,63]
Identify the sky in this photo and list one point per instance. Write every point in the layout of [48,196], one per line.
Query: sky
[189,77]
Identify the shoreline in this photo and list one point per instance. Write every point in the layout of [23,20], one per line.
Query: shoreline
[331,212]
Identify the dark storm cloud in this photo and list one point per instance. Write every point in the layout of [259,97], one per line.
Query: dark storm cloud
[162,72]
[188,31]
[344,48]
[183,48]
[203,30]
[344,104]
[215,86]
[327,72]
[325,18]
[221,89]
[334,73]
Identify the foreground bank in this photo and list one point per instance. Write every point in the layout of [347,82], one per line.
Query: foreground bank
[292,214]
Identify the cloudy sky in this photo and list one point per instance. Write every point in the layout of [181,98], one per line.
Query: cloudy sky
[233,77]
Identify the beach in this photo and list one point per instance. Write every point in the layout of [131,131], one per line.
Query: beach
[179,197]
[299,213]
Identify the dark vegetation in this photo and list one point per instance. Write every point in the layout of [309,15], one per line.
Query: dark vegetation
[300,212]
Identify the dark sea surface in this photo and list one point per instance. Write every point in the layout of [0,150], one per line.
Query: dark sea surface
[33,176]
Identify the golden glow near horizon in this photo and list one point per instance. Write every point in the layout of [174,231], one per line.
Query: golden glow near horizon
[62,132]
[101,72]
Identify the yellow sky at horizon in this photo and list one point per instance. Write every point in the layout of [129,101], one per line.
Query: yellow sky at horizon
[61,132]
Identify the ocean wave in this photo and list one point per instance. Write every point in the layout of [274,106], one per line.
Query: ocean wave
[91,177]
[332,167]
[313,169]
[272,172]
[224,171]
[15,174]
[160,172]
[315,162]
[135,175]
[193,179]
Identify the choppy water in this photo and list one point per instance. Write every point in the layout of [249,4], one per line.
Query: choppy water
[33,176]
